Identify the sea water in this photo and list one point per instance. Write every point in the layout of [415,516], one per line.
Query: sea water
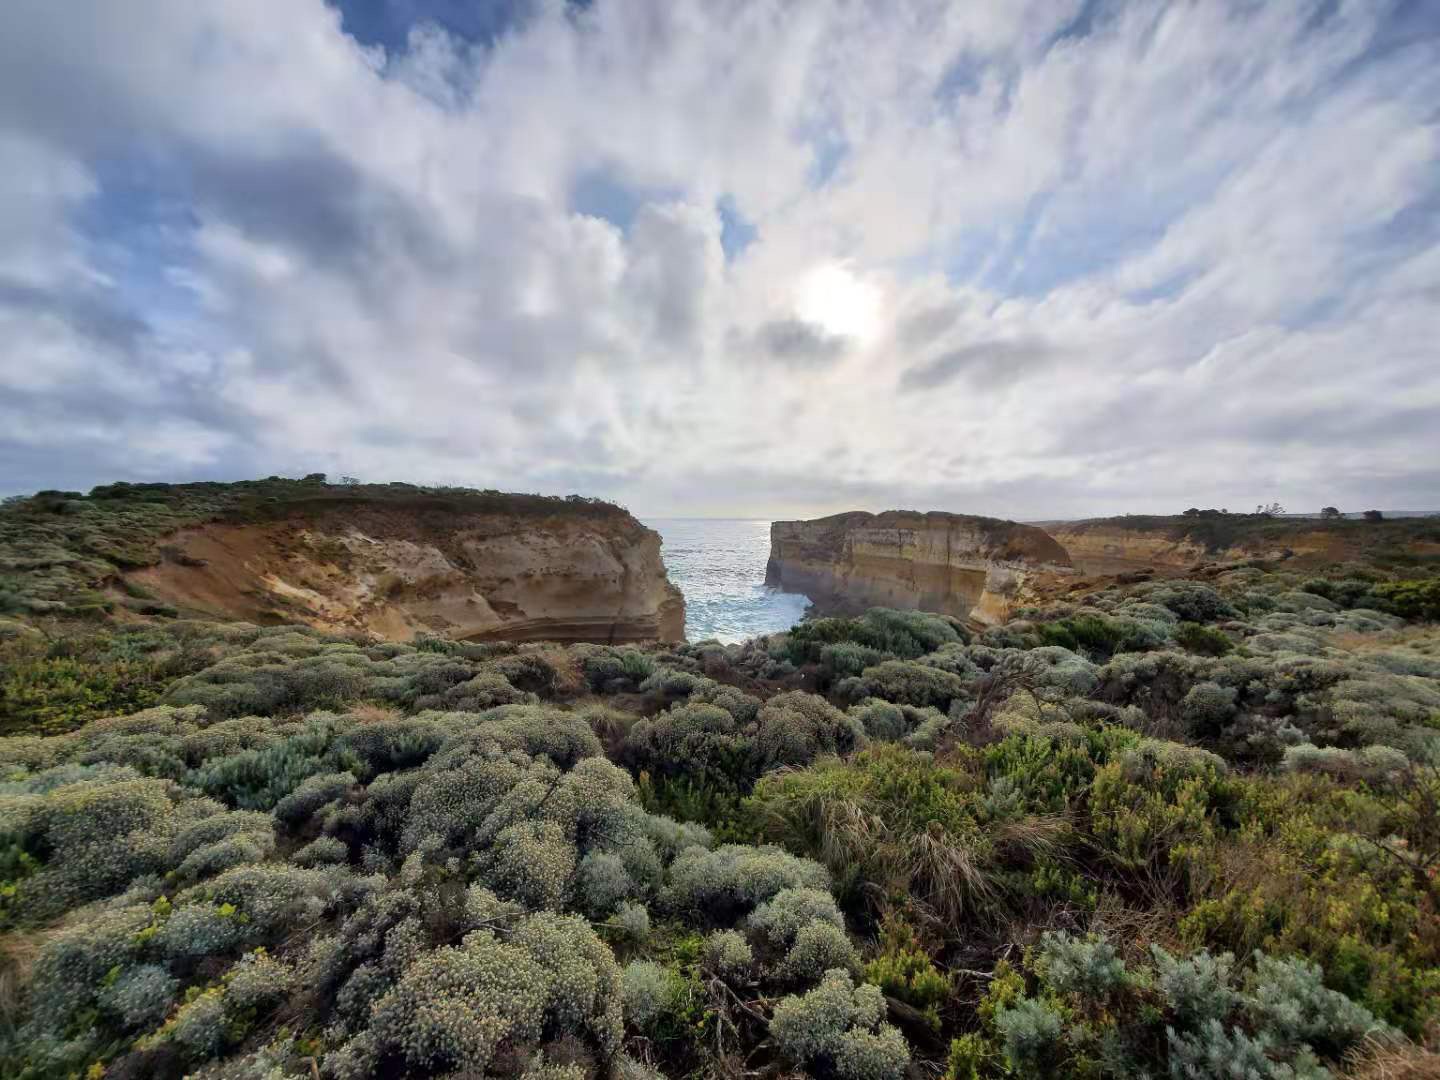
[719,564]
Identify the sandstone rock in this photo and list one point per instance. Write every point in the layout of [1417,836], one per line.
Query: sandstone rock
[953,564]
[398,573]
[1170,545]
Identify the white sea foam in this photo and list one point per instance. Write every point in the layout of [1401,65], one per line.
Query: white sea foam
[719,564]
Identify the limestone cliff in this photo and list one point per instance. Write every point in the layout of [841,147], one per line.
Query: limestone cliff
[953,564]
[1115,549]
[1173,544]
[486,566]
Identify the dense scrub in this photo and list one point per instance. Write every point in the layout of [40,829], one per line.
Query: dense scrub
[1183,828]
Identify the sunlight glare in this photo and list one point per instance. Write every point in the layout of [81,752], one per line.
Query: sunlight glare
[834,298]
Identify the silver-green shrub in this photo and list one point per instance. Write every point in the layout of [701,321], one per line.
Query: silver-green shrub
[1071,965]
[455,1006]
[1289,999]
[728,955]
[139,997]
[819,947]
[312,793]
[733,880]
[532,863]
[1199,988]
[1031,1035]
[602,883]
[796,728]
[838,1022]
[631,923]
[650,992]
[321,851]
[782,917]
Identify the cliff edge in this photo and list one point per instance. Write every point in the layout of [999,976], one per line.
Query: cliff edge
[1176,544]
[392,559]
[954,564]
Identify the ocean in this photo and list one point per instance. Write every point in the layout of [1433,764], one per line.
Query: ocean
[719,564]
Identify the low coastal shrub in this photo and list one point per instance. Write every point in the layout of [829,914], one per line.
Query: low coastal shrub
[1179,827]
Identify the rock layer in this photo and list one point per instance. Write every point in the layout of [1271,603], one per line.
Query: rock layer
[401,572]
[1178,544]
[954,564]
[1117,550]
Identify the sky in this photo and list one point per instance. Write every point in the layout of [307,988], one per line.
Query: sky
[775,258]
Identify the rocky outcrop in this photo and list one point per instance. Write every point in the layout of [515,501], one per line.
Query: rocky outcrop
[970,567]
[475,569]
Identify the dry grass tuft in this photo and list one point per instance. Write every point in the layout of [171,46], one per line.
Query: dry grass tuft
[569,676]
[1133,930]
[371,712]
[1392,1059]
[18,953]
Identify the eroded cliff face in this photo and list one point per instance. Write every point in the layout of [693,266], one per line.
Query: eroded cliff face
[402,572]
[1103,550]
[1174,545]
[969,567]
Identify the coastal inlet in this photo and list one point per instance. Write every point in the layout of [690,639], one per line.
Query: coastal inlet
[719,564]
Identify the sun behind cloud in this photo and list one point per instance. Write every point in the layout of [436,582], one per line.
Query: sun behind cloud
[836,299]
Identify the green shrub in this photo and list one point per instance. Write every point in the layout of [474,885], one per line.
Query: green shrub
[906,682]
[1087,966]
[880,631]
[1416,599]
[1030,1034]
[651,993]
[790,910]
[721,885]
[840,1024]
[904,971]
[1199,989]
[728,955]
[55,686]
[1205,640]
[893,816]
[796,728]
[818,947]
[1095,636]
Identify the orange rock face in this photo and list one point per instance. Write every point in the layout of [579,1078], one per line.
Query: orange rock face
[465,575]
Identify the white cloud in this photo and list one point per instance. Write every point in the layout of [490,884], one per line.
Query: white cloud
[1081,258]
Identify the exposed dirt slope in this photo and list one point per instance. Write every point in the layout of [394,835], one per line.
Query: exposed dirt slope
[955,564]
[399,570]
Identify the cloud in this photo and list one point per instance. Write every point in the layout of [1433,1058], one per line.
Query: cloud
[985,365]
[798,343]
[1118,259]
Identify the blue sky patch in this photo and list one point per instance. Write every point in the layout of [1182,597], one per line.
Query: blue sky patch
[736,234]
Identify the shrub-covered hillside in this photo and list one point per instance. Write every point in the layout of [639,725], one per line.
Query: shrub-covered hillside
[1184,829]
